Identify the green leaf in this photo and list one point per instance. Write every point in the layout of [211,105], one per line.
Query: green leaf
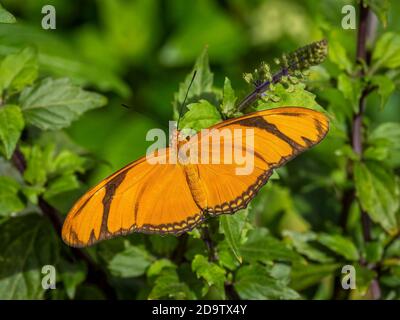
[18,71]
[61,184]
[302,242]
[201,86]
[37,162]
[231,226]
[364,276]
[9,199]
[297,96]
[11,125]
[385,87]
[293,220]
[380,8]
[255,283]
[306,275]
[281,271]
[391,279]
[157,266]
[66,162]
[32,193]
[204,77]
[338,55]
[200,115]
[387,52]
[378,193]
[387,133]
[226,257]
[351,89]
[54,104]
[163,245]
[260,246]
[384,143]
[71,275]
[168,285]
[229,99]
[5,16]
[339,245]
[337,104]
[132,262]
[27,243]
[213,274]
[49,172]
[374,251]
[393,249]
[379,153]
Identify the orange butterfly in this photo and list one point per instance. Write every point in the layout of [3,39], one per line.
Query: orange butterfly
[172,198]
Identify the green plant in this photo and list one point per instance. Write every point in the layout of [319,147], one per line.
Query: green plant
[336,205]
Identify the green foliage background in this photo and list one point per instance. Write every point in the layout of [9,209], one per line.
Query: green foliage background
[61,94]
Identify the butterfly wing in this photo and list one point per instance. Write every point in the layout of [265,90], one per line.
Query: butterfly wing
[141,197]
[156,198]
[279,135]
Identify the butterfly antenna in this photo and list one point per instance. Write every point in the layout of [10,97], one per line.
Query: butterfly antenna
[184,100]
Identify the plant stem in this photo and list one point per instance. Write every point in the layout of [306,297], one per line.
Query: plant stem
[96,275]
[256,93]
[231,292]
[178,256]
[357,132]
[360,56]
[206,237]
[213,257]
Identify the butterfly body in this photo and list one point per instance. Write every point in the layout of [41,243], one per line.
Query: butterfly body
[195,185]
[171,191]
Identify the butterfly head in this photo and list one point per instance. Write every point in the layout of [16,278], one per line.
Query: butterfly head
[181,137]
